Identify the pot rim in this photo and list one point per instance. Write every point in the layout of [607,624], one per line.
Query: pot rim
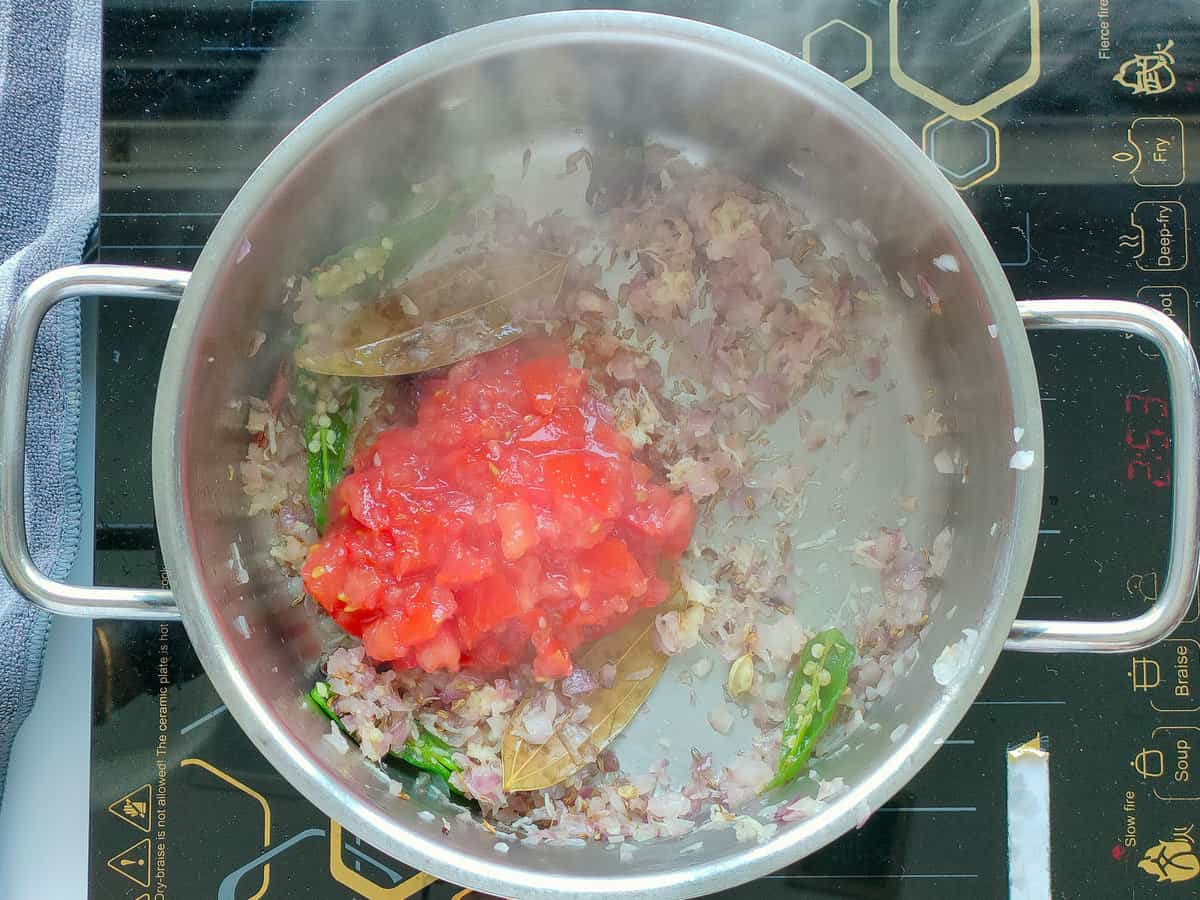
[253,712]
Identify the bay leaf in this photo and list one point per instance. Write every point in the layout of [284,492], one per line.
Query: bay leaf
[439,317]
[531,767]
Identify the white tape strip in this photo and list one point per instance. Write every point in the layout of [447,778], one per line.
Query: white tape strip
[1029,821]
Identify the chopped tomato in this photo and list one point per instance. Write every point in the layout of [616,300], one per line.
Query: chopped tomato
[552,661]
[518,528]
[511,523]
[440,652]
[362,587]
[609,568]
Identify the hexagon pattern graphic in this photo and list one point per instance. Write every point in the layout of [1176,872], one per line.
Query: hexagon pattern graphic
[824,47]
[966,152]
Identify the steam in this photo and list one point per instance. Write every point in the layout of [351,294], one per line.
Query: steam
[486,113]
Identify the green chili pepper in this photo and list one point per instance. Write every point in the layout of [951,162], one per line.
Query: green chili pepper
[428,752]
[322,695]
[326,435]
[822,670]
[392,252]
[423,750]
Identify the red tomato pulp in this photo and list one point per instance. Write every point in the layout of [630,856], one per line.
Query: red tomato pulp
[511,521]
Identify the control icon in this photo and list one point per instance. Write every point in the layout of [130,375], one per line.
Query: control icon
[1157,151]
[1157,236]
[1148,73]
[1173,859]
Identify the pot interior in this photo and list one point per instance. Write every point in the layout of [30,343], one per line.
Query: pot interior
[543,91]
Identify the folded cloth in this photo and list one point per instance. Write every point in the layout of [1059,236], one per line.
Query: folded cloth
[49,188]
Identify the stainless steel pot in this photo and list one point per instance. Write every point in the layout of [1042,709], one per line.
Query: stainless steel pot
[553,83]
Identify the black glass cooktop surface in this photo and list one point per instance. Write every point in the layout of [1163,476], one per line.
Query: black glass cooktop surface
[1069,129]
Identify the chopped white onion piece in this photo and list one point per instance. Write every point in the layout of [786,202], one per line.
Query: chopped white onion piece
[1021,460]
[950,661]
[235,564]
[720,718]
[243,629]
[939,553]
[335,739]
[825,538]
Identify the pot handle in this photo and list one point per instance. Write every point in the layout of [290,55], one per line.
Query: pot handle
[16,357]
[1183,375]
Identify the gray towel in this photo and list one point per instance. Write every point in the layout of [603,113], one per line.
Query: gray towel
[49,187]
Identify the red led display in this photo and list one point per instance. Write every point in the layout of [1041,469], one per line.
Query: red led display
[1147,440]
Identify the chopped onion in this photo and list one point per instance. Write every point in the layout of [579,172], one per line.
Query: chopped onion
[939,554]
[335,739]
[536,725]
[720,718]
[1021,460]
[747,829]
[950,661]
[944,463]
[235,564]
[608,675]
[668,805]
[578,682]
[824,539]
[256,341]
[830,788]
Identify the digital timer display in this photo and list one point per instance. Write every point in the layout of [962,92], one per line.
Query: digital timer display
[1147,440]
